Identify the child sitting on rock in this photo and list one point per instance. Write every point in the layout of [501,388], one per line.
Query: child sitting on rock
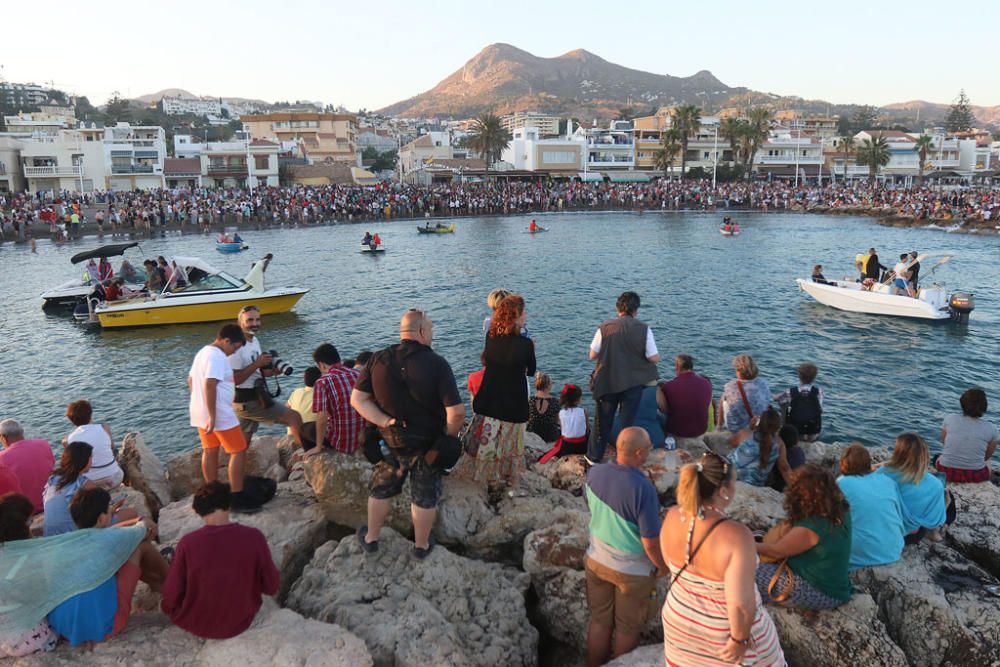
[573,422]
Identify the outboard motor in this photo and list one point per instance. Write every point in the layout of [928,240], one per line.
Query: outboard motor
[960,304]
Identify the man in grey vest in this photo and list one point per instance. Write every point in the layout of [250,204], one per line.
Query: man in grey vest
[626,363]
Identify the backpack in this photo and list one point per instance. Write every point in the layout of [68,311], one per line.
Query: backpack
[258,490]
[805,412]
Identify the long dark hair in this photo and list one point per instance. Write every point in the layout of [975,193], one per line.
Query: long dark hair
[15,510]
[74,459]
[767,431]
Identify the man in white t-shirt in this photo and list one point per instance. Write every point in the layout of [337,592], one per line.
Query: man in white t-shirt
[901,277]
[211,383]
[250,365]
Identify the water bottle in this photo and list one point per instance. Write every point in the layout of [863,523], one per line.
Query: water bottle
[670,444]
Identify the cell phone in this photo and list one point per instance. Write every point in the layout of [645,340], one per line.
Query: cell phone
[995,590]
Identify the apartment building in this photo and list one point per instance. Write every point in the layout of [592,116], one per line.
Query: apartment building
[547,126]
[608,148]
[427,146]
[226,163]
[321,136]
[38,122]
[789,155]
[820,127]
[531,151]
[11,175]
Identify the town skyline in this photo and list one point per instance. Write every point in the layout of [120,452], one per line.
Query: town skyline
[406,50]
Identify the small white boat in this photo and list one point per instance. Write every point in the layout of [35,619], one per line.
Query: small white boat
[932,302]
[370,249]
[729,232]
[73,292]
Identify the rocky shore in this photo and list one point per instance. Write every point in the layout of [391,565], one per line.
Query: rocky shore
[505,586]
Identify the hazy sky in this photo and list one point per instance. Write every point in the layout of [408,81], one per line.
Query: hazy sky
[371,54]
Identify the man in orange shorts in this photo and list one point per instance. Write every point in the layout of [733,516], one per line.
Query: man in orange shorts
[211,383]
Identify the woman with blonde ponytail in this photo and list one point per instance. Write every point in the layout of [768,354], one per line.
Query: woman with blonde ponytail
[713,614]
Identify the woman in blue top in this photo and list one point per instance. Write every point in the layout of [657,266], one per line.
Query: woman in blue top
[746,391]
[877,512]
[758,453]
[69,478]
[924,499]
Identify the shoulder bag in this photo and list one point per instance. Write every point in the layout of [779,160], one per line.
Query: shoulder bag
[773,536]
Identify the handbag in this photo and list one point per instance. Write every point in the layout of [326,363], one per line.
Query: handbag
[771,585]
[773,536]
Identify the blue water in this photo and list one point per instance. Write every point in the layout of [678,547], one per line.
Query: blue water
[704,294]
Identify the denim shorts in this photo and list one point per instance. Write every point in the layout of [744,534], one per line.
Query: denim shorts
[390,475]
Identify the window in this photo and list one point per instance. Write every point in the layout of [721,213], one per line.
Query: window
[260,162]
[559,157]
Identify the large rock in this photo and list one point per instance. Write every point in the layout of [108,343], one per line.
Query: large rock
[644,656]
[446,610]
[756,507]
[144,472]
[184,470]
[569,473]
[937,606]
[849,635]
[292,522]
[976,531]
[554,557]
[277,637]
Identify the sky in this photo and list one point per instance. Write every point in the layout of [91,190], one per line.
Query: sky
[369,55]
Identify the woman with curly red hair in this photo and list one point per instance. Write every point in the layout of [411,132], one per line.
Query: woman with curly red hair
[495,438]
[817,545]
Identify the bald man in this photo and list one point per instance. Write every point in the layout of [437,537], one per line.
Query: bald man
[623,558]
[409,392]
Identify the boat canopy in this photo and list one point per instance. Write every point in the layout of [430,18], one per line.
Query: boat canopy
[103,251]
[188,263]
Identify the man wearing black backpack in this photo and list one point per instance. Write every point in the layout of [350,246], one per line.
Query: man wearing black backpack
[804,404]
[409,393]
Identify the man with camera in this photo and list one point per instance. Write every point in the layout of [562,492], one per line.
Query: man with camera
[254,404]
[409,392]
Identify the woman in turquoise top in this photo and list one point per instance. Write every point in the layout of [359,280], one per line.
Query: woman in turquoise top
[817,546]
[757,453]
[924,498]
[877,512]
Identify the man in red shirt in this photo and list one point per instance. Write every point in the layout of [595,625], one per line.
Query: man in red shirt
[31,461]
[338,425]
[685,400]
[219,571]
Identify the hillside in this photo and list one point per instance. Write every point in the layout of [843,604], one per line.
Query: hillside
[504,78]
[153,98]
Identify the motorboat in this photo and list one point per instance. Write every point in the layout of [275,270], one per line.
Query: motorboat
[439,229]
[210,295]
[372,249]
[729,232]
[932,302]
[73,292]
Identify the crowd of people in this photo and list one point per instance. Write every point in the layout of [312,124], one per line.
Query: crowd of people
[401,409]
[66,213]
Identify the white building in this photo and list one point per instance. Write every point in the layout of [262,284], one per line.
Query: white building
[426,146]
[547,126]
[611,147]
[227,163]
[529,151]
[177,106]
[11,174]
[23,94]
[38,123]
[788,154]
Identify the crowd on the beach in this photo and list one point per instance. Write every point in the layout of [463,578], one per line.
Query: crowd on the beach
[401,409]
[142,211]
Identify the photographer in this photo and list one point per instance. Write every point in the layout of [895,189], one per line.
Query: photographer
[253,403]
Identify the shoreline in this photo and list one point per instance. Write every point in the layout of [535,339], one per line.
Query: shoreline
[886,217]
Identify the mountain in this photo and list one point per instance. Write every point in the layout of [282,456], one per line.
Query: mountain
[153,98]
[503,78]
[934,111]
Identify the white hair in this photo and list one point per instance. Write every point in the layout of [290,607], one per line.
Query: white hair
[10,429]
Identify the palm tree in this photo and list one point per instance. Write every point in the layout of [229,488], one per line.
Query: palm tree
[670,142]
[873,153]
[488,137]
[846,146]
[686,119]
[923,147]
[758,128]
[734,130]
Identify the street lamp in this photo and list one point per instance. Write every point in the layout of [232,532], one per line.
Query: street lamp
[715,153]
[246,138]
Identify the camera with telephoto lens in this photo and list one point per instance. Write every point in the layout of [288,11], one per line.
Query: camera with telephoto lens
[279,364]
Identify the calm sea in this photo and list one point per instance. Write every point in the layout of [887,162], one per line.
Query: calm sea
[703,294]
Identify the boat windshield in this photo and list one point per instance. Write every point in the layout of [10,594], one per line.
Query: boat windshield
[207,283]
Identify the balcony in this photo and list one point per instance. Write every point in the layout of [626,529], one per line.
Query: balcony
[602,145]
[134,169]
[227,170]
[611,161]
[36,172]
[944,163]
[788,159]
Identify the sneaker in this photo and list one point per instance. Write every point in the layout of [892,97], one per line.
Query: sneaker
[367,547]
[422,554]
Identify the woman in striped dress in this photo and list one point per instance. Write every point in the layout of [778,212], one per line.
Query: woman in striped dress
[713,615]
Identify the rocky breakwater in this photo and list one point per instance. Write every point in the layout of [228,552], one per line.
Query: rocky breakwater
[890,216]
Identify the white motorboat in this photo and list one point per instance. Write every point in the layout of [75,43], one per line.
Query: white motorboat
[73,292]
[933,302]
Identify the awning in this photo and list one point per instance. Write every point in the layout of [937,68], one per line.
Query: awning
[590,176]
[627,177]
[103,251]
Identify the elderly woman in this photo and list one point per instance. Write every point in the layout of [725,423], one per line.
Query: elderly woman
[877,513]
[495,438]
[817,545]
[926,506]
[969,441]
[104,469]
[713,613]
[745,397]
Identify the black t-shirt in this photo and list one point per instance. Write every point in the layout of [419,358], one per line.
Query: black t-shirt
[430,381]
[504,392]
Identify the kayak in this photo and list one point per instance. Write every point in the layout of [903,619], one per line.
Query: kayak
[230,247]
[538,231]
[450,229]
[729,233]
[369,249]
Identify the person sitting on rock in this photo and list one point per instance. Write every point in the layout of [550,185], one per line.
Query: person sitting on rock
[623,557]
[686,400]
[758,452]
[743,398]
[31,461]
[804,404]
[780,476]
[301,401]
[817,546]
[969,441]
[96,614]
[104,468]
[877,512]
[219,572]
[71,476]
[928,508]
